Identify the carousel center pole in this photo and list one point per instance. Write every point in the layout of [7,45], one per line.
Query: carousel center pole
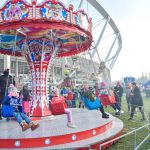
[39,54]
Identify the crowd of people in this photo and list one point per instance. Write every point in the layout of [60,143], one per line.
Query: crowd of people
[80,97]
[131,90]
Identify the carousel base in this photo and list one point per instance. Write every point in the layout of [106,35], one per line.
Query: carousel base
[91,130]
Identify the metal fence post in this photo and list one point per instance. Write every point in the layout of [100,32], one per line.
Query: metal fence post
[149,118]
[135,140]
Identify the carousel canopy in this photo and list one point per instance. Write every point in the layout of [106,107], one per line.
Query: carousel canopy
[22,23]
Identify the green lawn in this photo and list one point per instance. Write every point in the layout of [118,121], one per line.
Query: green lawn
[127,143]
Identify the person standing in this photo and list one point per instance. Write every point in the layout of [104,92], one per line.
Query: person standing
[5,81]
[118,91]
[26,99]
[128,96]
[25,92]
[136,101]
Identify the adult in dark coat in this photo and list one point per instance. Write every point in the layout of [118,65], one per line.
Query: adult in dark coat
[136,101]
[25,92]
[5,81]
[118,91]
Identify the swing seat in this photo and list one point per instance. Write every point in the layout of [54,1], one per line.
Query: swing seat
[58,105]
[7,111]
[91,105]
[26,106]
[108,99]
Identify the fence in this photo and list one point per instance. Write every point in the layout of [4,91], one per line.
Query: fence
[141,138]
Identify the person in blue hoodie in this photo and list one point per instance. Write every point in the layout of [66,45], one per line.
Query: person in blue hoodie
[15,101]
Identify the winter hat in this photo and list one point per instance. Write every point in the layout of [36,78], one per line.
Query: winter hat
[53,88]
[103,84]
[12,88]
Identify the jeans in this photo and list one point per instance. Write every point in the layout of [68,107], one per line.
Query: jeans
[0,111]
[133,110]
[116,106]
[20,116]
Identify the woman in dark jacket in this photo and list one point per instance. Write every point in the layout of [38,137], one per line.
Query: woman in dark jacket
[25,92]
[136,101]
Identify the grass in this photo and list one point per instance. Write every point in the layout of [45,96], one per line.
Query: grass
[127,143]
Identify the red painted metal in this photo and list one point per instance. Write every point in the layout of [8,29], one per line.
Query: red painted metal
[54,140]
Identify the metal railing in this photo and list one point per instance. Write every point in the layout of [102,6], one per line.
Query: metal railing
[136,145]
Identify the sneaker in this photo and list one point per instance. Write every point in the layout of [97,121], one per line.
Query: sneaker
[105,116]
[71,125]
[117,110]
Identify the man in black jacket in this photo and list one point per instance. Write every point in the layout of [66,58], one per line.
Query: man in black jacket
[136,101]
[5,81]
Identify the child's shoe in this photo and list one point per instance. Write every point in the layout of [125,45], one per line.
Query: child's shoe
[105,115]
[34,125]
[24,126]
[71,125]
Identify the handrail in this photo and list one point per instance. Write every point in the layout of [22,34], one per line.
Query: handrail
[117,138]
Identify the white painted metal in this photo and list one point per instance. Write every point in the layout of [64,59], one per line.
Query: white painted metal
[103,12]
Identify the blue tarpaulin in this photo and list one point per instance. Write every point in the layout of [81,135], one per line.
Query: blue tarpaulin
[147,84]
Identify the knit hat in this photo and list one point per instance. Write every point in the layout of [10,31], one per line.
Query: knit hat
[53,88]
[103,84]
[12,88]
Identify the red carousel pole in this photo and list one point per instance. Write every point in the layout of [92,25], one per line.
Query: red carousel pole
[39,55]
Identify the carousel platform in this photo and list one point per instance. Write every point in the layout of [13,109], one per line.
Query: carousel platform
[53,132]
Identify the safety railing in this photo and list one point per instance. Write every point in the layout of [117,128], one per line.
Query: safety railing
[135,140]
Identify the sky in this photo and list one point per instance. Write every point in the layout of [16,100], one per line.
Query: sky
[132,17]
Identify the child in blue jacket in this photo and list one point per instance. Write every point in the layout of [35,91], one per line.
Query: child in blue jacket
[15,101]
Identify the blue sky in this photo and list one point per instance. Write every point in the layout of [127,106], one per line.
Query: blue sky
[133,20]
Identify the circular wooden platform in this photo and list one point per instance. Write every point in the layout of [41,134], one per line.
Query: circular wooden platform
[53,132]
